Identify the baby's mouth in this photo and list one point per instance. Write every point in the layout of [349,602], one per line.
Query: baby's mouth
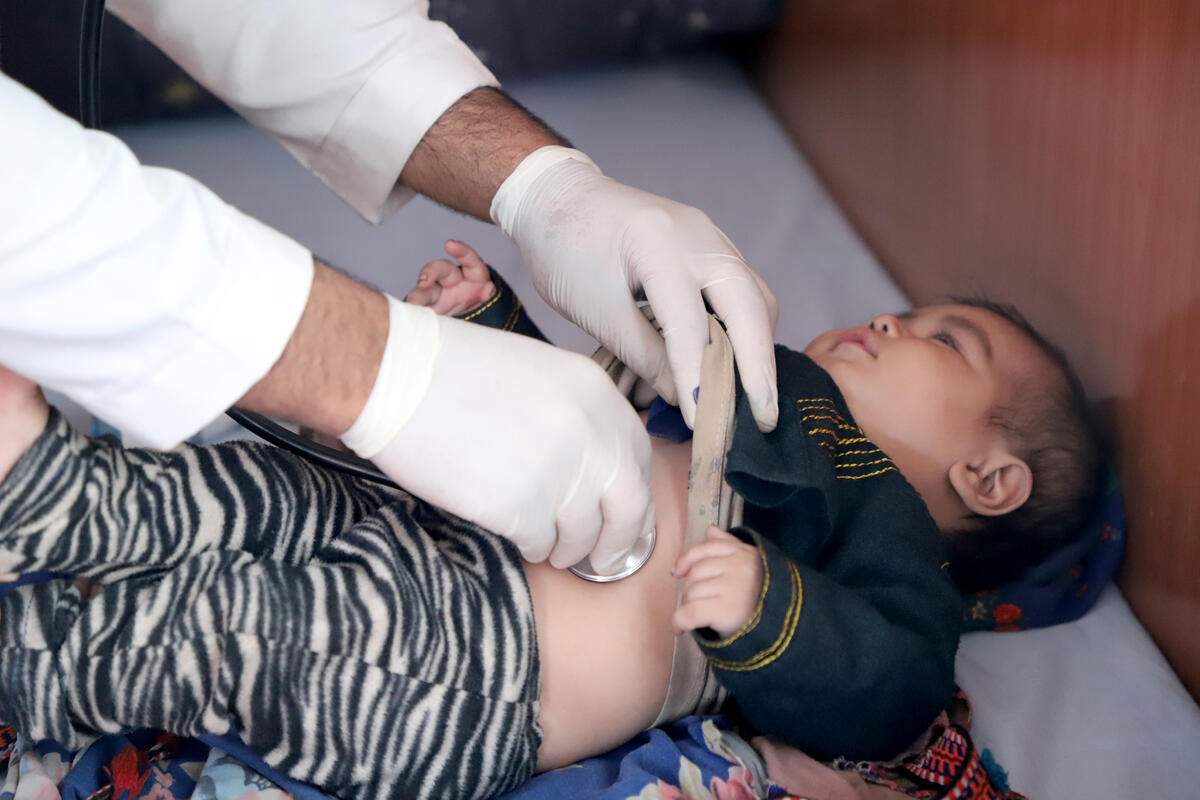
[862,337]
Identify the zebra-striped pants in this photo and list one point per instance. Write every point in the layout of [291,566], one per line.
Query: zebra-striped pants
[353,636]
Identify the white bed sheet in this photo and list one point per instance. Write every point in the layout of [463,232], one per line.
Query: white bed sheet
[1086,710]
[1089,709]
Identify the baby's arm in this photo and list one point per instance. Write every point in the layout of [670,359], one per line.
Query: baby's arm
[851,660]
[471,290]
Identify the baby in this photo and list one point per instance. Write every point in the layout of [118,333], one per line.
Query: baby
[363,641]
[970,405]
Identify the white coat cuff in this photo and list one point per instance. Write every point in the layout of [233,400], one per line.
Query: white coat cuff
[374,136]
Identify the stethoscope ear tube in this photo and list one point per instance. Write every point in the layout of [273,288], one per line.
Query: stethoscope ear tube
[90,27]
[271,431]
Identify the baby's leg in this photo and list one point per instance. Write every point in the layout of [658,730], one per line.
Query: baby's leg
[400,663]
[87,506]
[23,412]
[33,624]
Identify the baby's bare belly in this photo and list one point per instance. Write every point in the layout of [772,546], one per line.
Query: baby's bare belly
[606,647]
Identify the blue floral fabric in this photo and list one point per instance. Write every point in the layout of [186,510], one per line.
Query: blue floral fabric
[1064,586]
[687,760]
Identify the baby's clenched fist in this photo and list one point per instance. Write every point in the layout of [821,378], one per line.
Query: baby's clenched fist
[722,579]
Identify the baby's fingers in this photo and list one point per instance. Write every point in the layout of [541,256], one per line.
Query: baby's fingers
[442,272]
[707,568]
[716,547]
[703,590]
[473,268]
[426,294]
[715,534]
[703,613]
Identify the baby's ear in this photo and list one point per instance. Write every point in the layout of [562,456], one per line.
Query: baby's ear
[996,484]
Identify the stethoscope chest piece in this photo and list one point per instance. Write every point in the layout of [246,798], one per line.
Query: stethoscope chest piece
[638,555]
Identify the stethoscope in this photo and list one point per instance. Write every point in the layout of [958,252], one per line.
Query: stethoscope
[91,27]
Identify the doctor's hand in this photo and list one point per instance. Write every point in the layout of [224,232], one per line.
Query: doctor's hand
[529,441]
[592,244]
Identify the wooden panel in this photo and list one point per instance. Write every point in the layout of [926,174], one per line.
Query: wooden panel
[1047,153]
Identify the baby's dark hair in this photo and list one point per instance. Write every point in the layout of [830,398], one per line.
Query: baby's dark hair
[1050,426]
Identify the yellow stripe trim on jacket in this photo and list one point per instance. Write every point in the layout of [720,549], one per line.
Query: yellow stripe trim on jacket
[781,643]
[757,615]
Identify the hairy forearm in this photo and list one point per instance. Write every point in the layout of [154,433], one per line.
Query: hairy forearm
[462,160]
[329,366]
[326,372]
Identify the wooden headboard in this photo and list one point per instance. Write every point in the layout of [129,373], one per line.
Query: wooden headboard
[1044,153]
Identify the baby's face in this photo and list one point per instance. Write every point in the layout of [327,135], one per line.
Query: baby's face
[923,384]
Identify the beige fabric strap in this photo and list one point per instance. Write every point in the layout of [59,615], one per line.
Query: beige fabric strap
[693,688]
[710,499]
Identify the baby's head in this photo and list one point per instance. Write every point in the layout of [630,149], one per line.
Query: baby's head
[985,418]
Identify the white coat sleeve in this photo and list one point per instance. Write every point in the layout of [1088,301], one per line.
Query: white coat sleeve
[135,291]
[348,87]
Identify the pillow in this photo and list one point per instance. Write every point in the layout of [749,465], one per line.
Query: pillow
[1064,586]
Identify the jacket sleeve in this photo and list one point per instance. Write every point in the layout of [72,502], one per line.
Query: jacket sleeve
[856,667]
[504,311]
[133,290]
[349,88]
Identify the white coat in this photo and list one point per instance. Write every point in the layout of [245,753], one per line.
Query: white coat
[135,290]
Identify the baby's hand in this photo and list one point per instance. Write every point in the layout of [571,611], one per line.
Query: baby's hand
[452,289]
[722,578]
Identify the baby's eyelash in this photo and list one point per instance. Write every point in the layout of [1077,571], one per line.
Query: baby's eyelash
[946,338]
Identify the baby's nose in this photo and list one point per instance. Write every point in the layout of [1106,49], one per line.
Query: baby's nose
[887,324]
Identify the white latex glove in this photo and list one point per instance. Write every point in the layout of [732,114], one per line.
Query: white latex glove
[592,244]
[529,441]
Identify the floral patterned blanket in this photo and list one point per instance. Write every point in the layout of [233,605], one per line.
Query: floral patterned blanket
[697,758]
[688,761]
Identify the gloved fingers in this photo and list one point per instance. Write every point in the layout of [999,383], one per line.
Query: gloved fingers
[769,298]
[628,510]
[577,527]
[473,267]
[642,349]
[740,304]
[535,541]
[679,309]
[742,267]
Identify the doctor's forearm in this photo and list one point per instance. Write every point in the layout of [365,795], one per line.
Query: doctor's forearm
[462,160]
[326,372]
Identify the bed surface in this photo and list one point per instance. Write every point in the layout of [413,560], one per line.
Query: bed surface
[1085,710]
